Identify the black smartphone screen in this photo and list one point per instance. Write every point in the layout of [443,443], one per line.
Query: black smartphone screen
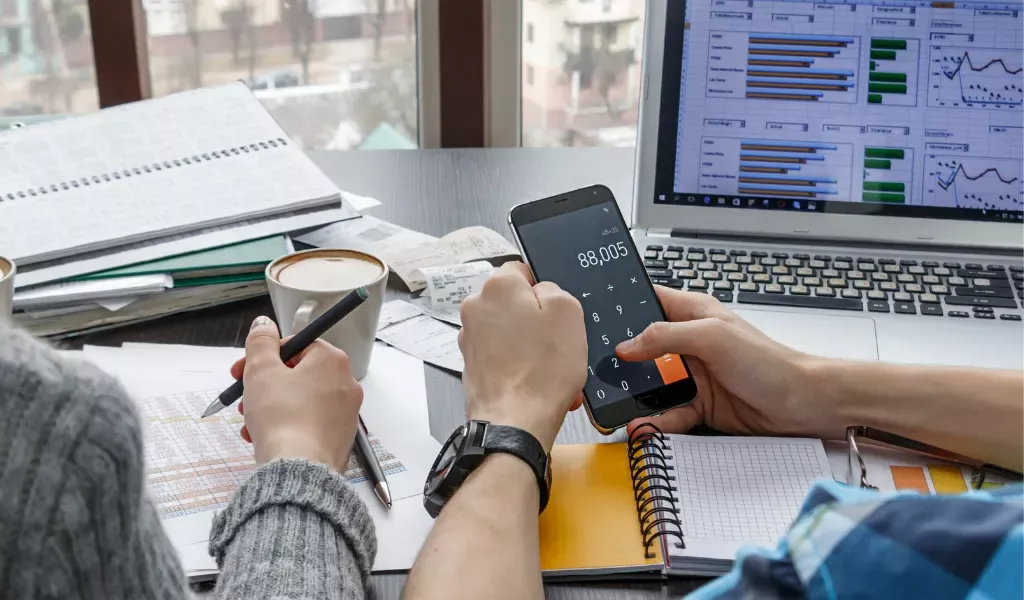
[582,243]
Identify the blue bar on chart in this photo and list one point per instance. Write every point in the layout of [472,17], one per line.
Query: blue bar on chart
[781,66]
[775,168]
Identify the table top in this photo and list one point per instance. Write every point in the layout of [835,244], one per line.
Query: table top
[436,192]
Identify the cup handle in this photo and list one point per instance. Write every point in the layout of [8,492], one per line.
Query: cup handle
[303,315]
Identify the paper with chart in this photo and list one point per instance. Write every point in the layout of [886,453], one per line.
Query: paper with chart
[736,491]
[408,252]
[406,327]
[195,464]
[187,161]
[892,470]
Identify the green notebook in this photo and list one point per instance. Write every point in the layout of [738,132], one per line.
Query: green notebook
[237,262]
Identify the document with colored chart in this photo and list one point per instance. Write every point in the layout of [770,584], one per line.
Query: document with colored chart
[890,470]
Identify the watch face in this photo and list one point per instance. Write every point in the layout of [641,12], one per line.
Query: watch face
[445,460]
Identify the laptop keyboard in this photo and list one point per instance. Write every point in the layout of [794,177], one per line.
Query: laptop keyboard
[855,283]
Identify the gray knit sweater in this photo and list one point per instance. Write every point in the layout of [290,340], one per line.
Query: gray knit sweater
[76,520]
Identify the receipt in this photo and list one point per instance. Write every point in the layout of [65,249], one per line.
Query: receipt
[448,314]
[449,285]
[478,243]
[421,336]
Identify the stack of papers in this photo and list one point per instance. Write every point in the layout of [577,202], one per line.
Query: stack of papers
[195,465]
[155,207]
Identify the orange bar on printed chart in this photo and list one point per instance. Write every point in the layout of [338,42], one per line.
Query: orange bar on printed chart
[671,368]
[909,478]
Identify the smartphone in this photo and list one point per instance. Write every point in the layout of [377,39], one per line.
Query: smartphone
[580,241]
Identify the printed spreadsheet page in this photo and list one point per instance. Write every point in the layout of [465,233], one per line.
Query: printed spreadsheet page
[737,491]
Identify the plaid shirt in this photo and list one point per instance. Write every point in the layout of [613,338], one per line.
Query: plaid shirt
[854,543]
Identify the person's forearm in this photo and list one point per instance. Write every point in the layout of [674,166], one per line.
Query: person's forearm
[484,544]
[975,412]
[294,530]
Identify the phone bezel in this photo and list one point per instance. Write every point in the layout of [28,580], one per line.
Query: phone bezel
[609,417]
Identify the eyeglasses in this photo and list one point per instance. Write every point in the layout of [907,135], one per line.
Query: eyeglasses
[856,463]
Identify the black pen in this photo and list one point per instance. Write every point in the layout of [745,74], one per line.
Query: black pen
[299,342]
[371,466]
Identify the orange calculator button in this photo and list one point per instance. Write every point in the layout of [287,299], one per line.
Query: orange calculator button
[671,368]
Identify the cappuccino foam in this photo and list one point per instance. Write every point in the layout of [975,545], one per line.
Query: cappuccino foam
[327,271]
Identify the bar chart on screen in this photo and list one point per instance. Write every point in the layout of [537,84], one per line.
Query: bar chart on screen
[892,71]
[783,66]
[888,175]
[776,168]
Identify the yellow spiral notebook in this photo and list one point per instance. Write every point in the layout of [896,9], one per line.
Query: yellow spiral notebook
[671,504]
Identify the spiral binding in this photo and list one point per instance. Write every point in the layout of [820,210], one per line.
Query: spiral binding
[183,161]
[656,504]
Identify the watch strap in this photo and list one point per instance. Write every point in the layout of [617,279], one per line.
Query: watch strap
[522,444]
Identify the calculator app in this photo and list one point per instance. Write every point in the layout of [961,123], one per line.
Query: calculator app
[589,253]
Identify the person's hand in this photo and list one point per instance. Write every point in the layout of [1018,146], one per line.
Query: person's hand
[307,409]
[526,353]
[746,382]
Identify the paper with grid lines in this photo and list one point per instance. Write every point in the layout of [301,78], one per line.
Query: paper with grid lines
[735,491]
[192,160]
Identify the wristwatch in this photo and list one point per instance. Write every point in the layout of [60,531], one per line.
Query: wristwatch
[466,449]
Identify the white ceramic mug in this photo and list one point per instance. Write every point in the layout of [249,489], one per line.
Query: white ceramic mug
[299,299]
[7,271]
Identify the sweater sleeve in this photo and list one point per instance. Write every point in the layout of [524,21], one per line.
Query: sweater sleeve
[294,530]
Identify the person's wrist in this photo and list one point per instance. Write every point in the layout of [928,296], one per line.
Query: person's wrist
[815,398]
[541,424]
[287,446]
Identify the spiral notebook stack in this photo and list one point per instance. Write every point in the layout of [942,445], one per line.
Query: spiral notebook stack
[671,504]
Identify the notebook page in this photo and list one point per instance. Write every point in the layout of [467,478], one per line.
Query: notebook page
[736,491]
[201,158]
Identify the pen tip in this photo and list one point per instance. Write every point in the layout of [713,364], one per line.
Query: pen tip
[214,408]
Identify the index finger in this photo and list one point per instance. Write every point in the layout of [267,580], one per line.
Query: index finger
[517,267]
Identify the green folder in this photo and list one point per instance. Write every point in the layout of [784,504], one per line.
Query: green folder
[238,262]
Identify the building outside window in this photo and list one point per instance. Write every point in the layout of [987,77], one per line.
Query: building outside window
[581,71]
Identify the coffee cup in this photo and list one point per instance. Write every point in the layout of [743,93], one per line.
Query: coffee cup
[303,285]
[7,270]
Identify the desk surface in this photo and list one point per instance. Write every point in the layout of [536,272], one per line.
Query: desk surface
[436,192]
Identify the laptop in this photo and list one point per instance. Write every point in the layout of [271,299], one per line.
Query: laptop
[847,175]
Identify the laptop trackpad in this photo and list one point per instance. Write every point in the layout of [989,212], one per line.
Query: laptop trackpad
[851,338]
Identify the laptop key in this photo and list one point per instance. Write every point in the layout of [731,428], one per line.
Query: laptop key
[979,301]
[972,273]
[722,296]
[931,309]
[799,290]
[1016,268]
[744,260]
[724,285]
[974,267]
[823,257]
[1010,317]
[928,299]
[983,309]
[957,281]
[749,287]
[827,292]
[651,254]
[799,301]
[671,255]
[659,280]
[686,274]
[861,284]
[892,268]
[876,295]
[773,288]
[941,271]
[904,308]
[902,297]
[995,268]
[666,273]
[916,270]
[878,306]
[845,258]
[984,292]
[674,283]
[737,253]
[655,247]
[951,265]
[759,254]
[887,261]
[676,248]
[930,264]
[697,284]
[736,277]
[908,263]
[802,256]
[984,316]
[812,281]
[851,294]
[958,314]
[888,286]
[780,255]
[816,264]
[656,264]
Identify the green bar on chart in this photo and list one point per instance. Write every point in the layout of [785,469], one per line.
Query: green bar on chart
[947,479]
[884,198]
[874,98]
[877,152]
[887,77]
[883,55]
[871,66]
[888,44]
[884,186]
[877,163]
[887,88]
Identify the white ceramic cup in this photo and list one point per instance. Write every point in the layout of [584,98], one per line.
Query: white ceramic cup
[7,271]
[299,299]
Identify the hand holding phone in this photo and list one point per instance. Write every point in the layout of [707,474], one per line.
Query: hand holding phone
[580,241]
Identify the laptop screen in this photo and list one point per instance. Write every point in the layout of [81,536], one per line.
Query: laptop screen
[892,107]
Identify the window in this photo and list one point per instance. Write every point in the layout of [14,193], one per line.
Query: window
[581,62]
[337,74]
[46,60]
